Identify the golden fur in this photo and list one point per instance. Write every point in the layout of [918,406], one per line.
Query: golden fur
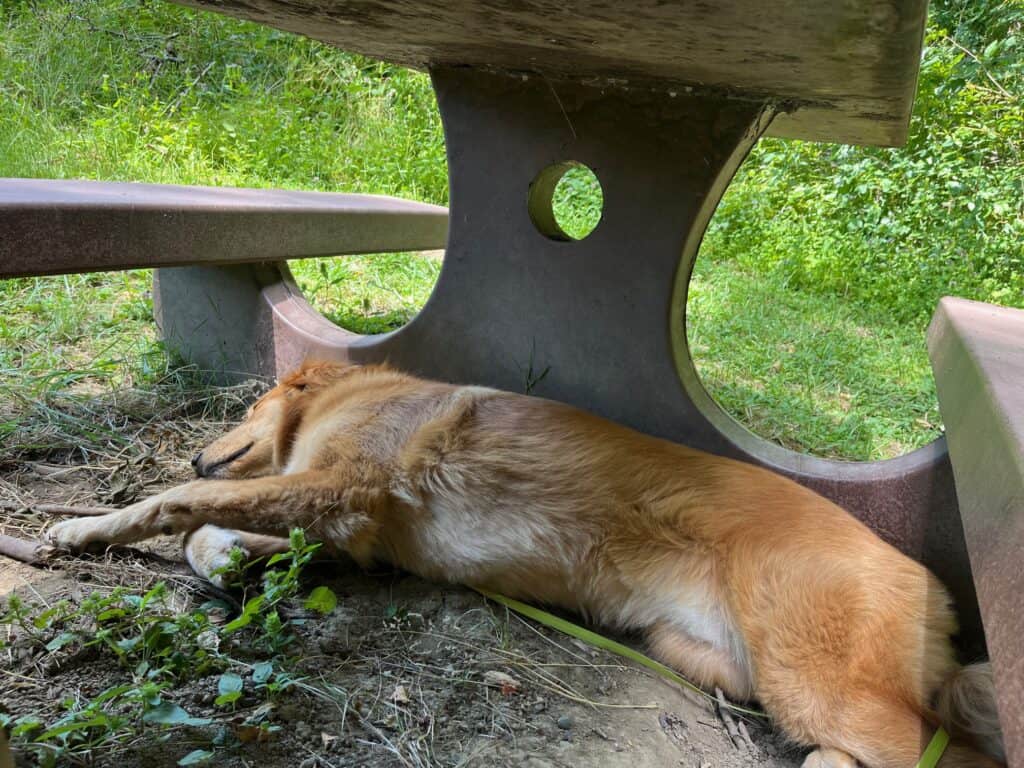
[738,577]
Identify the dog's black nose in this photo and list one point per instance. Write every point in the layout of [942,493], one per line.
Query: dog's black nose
[196,465]
[196,458]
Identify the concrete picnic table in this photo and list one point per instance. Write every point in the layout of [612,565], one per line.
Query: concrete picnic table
[662,101]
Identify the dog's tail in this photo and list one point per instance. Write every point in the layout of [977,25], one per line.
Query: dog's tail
[966,705]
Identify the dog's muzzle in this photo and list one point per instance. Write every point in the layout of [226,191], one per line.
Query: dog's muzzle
[204,469]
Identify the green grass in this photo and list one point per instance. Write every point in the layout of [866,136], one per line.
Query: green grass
[893,230]
[815,374]
[811,292]
[77,322]
[577,202]
[824,263]
[130,90]
[369,294]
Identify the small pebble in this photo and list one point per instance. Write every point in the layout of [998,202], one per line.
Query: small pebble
[564,722]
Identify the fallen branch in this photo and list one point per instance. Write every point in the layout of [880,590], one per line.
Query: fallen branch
[72,509]
[25,550]
[59,509]
[730,724]
[745,734]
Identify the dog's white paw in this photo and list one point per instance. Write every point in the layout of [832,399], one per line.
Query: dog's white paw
[209,549]
[74,535]
[829,758]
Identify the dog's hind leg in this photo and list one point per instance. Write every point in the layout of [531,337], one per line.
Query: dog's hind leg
[323,503]
[701,663]
[208,549]
[879,730]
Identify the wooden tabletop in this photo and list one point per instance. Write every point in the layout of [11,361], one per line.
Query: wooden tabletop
[848,69]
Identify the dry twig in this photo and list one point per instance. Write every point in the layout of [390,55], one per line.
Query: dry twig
[730,723]
[25,550]
[59,509]
[745,734]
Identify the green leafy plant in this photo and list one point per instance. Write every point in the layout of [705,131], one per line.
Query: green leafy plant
[899,228]
[159,648]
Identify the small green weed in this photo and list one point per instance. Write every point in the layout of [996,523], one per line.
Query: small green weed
[159,648]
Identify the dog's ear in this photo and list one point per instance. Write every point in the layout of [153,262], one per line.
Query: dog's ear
[284,440]
[314,374]
[310,377]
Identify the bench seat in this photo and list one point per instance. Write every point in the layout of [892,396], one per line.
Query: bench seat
[977,354]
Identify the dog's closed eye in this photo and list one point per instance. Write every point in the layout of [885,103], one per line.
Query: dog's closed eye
[204,469]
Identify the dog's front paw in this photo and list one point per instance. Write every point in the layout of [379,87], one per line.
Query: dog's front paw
[74,535]
[209,551]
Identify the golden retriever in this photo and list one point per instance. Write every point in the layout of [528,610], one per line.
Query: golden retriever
[737,577]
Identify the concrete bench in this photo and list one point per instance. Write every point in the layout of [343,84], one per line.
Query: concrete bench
[977,354]
[236,321]
[662,101]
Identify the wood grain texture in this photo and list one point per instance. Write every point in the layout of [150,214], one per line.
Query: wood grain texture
[977,354]
[847,69]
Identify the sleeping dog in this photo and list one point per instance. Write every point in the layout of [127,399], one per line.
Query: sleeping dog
[737,577]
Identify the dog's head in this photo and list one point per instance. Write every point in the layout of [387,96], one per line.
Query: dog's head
[260,445]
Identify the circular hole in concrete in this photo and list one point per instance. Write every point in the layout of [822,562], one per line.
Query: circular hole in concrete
[566,201]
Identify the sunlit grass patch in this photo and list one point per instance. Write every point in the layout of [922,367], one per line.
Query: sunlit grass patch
[373,293]
[813,373]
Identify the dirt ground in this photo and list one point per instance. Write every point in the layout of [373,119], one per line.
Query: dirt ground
[408,661]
